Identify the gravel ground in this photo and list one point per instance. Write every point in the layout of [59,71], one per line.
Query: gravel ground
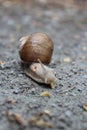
[21,106]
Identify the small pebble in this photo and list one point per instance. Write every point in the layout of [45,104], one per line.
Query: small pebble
[67,59]
[68,113]
[15,91]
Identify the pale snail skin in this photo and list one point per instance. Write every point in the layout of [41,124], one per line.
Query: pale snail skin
[44,74]
[38,71]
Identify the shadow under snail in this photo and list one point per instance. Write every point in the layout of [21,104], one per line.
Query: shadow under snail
[36,50]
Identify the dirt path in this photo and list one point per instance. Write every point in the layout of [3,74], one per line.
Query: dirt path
[21,105]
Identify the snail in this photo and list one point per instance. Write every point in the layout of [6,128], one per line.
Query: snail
[36,50]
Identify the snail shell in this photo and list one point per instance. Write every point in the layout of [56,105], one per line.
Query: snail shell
[36,46]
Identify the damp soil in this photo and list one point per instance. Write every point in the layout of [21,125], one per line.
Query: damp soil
[64,108]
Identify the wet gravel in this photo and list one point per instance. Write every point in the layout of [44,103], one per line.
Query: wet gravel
[68,30]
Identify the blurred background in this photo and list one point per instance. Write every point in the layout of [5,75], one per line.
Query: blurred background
[79,4]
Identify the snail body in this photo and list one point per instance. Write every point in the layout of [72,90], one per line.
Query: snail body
[36,50]
[41,73]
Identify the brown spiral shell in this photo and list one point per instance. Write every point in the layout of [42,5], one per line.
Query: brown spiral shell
[36,46]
